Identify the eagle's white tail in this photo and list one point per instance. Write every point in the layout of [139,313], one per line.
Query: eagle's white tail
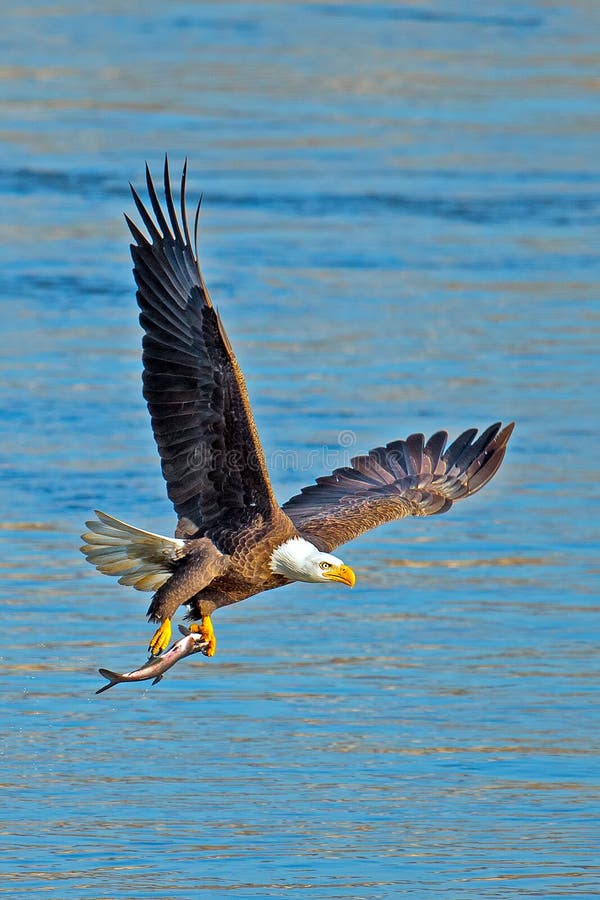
[141,559]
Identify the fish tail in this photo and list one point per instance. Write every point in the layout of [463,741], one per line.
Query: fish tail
[113,678]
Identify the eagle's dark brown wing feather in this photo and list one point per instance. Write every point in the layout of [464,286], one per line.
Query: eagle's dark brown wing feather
[211,456]
[404,478]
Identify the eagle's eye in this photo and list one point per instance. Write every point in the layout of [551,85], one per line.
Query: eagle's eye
[325,565]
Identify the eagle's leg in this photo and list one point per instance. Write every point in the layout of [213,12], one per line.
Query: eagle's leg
[205,628]
[193,573]
[161,639]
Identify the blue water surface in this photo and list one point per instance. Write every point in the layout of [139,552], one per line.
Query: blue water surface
[400,229]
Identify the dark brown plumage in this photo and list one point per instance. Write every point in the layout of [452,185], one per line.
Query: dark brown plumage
[232,539]
[211,456]
[404,478]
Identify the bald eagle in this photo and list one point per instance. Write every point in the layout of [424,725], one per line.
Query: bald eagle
[233,540]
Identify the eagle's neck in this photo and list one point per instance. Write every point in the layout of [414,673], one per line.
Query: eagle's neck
[292,559]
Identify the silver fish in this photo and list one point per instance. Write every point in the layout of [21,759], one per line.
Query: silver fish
[156,666]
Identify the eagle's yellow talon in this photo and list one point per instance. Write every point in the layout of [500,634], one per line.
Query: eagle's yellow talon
[205,628]
[161,639]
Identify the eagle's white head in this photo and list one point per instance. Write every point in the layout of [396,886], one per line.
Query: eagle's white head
[299,560]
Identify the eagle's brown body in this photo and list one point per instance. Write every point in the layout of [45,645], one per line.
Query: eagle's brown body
[234,577]
[230,527]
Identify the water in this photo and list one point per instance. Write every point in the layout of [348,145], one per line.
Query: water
[400,229]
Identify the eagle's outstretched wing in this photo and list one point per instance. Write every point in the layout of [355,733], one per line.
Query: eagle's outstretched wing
[211,456]
[404,478]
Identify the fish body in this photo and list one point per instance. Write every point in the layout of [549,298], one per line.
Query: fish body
[156,666]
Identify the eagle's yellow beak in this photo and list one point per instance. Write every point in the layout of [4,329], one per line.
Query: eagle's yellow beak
[341,573]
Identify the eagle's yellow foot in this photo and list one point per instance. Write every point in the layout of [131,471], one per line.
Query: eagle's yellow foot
[161,639]
[205,628]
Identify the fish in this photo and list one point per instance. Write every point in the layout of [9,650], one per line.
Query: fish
[156,666]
